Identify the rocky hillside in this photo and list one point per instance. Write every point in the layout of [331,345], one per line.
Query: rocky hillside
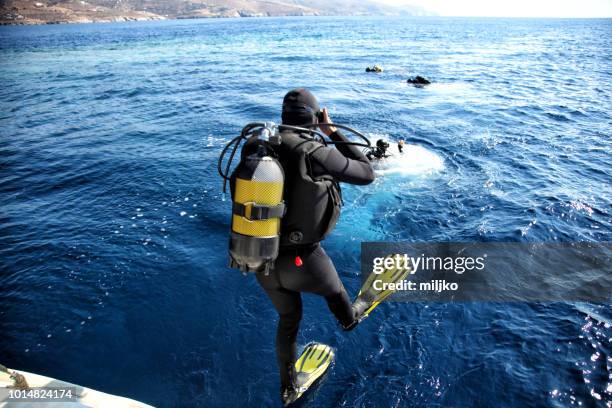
[83,11]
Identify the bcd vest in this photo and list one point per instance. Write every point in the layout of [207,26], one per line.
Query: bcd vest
[312,202]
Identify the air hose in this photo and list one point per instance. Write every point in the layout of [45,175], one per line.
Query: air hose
[258,128]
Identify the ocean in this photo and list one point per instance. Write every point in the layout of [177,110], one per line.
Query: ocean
[114,226]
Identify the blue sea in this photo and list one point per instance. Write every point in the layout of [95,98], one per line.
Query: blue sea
[114,226]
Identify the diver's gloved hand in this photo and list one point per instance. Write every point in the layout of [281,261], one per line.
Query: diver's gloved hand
[328,130]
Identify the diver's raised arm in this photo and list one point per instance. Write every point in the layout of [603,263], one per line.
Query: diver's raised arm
[330,161]
[348,150]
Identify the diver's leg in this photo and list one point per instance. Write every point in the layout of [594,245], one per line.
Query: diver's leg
[286,336]
[288,304]
[333,290]
[318,275]
[340,306]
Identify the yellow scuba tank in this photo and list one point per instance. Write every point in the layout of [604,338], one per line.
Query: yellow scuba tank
[257,209]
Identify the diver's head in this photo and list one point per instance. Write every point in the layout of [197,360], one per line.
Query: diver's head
[300,107]
[381,144]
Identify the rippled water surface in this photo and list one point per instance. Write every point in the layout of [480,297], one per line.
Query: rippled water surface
[113,227]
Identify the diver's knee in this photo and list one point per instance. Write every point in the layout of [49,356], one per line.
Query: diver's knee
[337,296]
[290,319]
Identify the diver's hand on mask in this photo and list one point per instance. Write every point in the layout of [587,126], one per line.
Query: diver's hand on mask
[328,130]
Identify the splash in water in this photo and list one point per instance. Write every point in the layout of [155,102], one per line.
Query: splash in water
[414,160]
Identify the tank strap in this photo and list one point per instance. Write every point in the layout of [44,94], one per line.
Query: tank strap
[257,212]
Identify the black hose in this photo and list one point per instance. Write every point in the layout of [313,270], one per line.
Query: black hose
[220,162]
[302,130]
[249,129]
[355,132]
[229,163]
[306,128]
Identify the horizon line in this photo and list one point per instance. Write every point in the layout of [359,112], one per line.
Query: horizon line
[430,16]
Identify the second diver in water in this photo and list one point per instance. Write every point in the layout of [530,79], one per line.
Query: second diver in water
[380,151]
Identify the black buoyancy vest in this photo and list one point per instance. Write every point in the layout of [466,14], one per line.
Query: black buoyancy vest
[313,203]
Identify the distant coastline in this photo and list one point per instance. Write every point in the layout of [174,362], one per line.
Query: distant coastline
[116,19]
[128,18]
[38,12]
[42,12]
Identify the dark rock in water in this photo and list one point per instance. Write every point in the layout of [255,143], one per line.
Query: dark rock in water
[418,80]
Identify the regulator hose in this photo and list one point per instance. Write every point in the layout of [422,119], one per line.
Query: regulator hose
[251,128]
[366,143]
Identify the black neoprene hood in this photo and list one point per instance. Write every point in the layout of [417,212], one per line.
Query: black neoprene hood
[299,107]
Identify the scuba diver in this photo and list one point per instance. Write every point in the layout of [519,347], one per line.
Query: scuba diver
[302,264]
[378,152]
[307,172]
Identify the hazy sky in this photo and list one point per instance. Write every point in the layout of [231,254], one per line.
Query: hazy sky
[513,8]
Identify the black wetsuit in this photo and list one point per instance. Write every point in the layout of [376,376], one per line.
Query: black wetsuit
[317,273]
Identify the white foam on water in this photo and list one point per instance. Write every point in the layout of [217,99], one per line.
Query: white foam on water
[415,160]
[450,87]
